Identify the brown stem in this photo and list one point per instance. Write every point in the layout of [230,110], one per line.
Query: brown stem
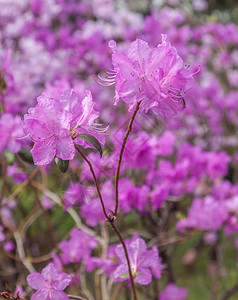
[112,222]
[4,175]
[76,297]
[2,103]
[227,294]
[121,155]
[22,186]
[95,180]
[111,219]
[34,260]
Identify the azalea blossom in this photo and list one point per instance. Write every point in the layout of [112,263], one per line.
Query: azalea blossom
[10,133]
[173,292]
[78,247]
[155,76]
[143,262]
[83,116]
[54,124]
[48,125]
[49,284]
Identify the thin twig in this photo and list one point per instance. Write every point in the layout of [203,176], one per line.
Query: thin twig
[28,220]
[4,176]
[76,297]
[22,186]
[85,290]
[33,260]
[21,252]
[127,257]
[104,285]
[229,292]
[56,199]
[111,219]
[116,291]
[95,180]
[121,155]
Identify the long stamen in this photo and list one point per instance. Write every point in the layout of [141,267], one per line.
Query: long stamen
[20,138]
[95,127]
[106,81]
[181,100]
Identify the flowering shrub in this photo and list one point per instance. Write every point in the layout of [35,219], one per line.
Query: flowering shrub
[137,200]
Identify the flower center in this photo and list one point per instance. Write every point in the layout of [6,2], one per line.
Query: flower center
[133,271]
[73,133]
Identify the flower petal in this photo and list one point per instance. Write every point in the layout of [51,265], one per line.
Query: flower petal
[37,130]
[36,281]
[65,147]
[122,269]
[59,295]
[144,278]
[63,280]
[49,272]
[44,152]
[41,295]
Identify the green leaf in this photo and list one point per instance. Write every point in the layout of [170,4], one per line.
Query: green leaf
[91,140]
[124,275]
[62,164]
[10,157]
[26,155]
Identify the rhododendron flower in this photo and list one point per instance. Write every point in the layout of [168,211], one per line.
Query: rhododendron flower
[54,124]
[83,116]
[142,262]
[73,195]
[9,246]
[78,247]
[173,292]
[16,174]
[211,216]
[154,75]
[10,132]
[49,284]
[48,125]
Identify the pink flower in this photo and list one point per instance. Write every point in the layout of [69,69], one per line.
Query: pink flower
[10,132]
[212,214]
[142,262]
[73,195]
[173,292]
[83,116]
[154,75]
[49,284]
[78,247]
[48,125]
[54,124]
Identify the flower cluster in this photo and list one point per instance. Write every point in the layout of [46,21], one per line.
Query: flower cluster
[155,76]
[54,124]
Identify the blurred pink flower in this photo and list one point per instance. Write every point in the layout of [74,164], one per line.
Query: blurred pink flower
[49,284]
[173,292]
